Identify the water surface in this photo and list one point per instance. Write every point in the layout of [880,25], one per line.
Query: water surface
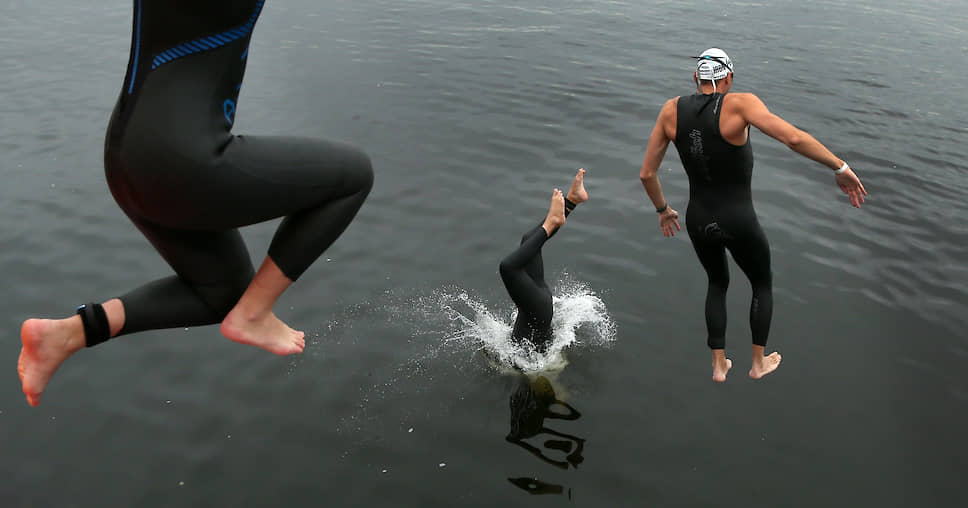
[472,112]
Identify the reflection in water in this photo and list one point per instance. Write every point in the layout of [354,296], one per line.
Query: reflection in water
[531,403]
[538,487]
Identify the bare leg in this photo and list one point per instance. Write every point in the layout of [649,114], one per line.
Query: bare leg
[556,213]
[763,365]
[46,343]
[252,322]
[577,194]
[721,365]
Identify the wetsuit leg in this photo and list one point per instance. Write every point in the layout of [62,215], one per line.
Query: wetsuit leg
[712,254]
[213,269]
[531,295]
[751,251]
[535,266]
[523,274]
[317,185]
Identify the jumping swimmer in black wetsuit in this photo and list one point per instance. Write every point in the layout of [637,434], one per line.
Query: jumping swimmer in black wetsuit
[182,177]
[523,270]
[711,132]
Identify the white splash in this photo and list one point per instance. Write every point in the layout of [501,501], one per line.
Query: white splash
[580,319]
[450,331]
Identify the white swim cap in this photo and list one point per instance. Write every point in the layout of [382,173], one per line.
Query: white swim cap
[713,64]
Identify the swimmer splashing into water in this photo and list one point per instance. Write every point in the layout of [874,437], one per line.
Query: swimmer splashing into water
[177,171]
[523,270]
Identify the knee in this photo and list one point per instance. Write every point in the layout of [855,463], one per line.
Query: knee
[504,268]
[721,283]
[763,283]
[763,290]
[363,174]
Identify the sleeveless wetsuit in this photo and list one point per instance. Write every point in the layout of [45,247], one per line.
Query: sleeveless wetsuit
[523,274]
[720,214]
[182,177]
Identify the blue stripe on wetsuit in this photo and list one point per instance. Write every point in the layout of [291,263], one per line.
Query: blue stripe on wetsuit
[207,43]
[137,50]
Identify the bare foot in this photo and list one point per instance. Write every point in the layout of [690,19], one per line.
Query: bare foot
[577,193]
[46,344]
[556,214]
[721,366]
[763,365]
[262,330]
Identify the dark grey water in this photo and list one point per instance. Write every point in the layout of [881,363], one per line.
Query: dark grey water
[472,112]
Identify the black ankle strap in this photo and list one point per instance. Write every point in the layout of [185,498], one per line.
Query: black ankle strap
[95,320]
[569,206]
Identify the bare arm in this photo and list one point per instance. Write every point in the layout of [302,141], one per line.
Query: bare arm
[654,153]
[757,114]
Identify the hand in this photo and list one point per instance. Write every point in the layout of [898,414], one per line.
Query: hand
[667,220]
[850,184]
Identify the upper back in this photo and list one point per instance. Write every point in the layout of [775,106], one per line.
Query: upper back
[708,157]
[732,123]
[191,25]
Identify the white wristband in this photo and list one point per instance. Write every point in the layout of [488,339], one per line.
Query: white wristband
[843,168]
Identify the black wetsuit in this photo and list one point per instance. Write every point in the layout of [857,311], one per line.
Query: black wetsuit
[523,274]
[178,172]
[720,214]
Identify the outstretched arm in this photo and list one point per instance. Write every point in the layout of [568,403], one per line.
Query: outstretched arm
[757,114]
[654,153]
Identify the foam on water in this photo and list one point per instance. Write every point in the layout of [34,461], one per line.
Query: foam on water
[580,319]
[448,329]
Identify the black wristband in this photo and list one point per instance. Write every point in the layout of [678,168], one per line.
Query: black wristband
[663,208]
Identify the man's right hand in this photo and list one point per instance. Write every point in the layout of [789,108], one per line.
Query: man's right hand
[850,184]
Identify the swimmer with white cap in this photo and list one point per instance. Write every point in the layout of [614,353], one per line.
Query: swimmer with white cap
[711,131]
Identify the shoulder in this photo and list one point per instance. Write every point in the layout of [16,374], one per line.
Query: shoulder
[669,118]
[746,105]
[742,100]
[669,108]
[740,97]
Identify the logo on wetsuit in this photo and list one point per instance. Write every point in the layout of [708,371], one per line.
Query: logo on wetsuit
[714,232]
[228,107]
[695,148]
